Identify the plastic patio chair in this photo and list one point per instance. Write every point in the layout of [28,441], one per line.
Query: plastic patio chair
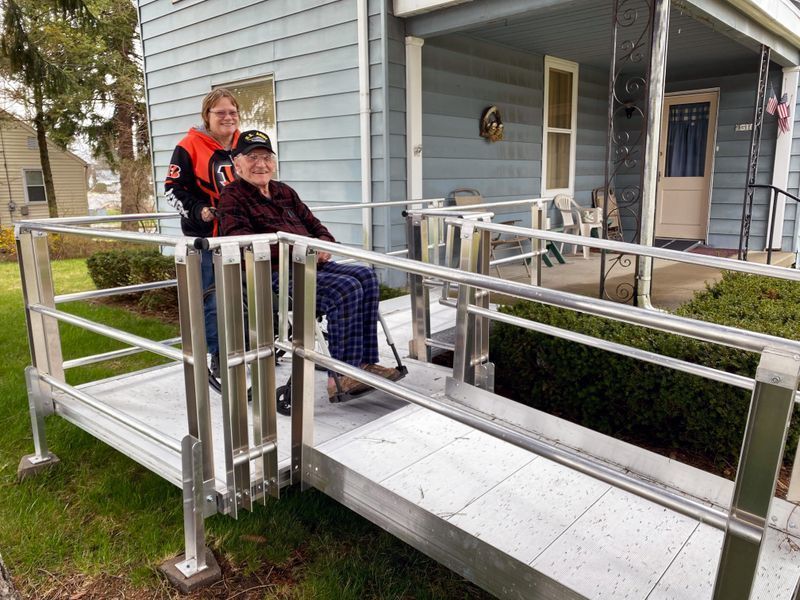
[469,197]
[614,223]
[578,220]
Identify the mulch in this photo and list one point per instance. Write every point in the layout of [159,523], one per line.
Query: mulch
[720,252]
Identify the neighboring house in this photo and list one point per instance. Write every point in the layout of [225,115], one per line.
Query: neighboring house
[22,193]
[433,66]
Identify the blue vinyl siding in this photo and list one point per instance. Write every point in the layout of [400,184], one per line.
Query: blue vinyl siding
[309,46]
[460,78]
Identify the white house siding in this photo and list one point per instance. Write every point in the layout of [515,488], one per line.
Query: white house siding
[18,154]
[736,103]
[309,46]
[460,78]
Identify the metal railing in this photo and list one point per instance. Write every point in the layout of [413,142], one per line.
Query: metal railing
[774,192]
[774,388]
[774,385]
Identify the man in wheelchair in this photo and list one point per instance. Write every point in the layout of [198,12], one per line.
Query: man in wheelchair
[347,294]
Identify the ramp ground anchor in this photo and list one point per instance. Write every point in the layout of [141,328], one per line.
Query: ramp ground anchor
[201,579]
[31,465]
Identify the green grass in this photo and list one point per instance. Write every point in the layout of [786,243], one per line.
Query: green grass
[99,514]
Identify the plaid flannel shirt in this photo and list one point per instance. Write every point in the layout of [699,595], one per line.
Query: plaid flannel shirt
[244,210]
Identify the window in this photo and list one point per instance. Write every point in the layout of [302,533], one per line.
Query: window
[34,186]
[560,125]
[33,143]
[256,106]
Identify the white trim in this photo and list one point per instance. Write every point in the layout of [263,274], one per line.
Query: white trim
[571,67]
[783,156]
[26,170]
[406,8]
[414,117]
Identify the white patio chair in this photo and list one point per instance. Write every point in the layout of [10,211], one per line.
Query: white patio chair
[578,220]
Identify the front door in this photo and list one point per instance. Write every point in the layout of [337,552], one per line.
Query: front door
[685,165]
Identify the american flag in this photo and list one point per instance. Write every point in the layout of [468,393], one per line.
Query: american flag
[772,103]
[783,113]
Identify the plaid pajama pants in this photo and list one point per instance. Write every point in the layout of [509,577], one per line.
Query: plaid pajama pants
[348,295]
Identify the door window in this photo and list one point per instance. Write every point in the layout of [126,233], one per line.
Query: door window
[687,139]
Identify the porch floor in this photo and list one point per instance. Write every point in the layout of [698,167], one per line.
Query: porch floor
[673,283]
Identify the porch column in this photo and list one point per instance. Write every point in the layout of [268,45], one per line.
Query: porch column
[655,104]
[414,117]
[783,153]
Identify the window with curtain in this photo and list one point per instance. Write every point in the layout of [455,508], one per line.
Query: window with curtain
[687,140]
[560,122]
[256,106]
[34,186]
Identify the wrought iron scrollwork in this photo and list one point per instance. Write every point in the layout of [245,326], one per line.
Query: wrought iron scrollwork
[627,124]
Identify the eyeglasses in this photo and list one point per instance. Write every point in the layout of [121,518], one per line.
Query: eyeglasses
[224,113]
[255,158]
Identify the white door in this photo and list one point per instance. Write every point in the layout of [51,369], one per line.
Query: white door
[685,165]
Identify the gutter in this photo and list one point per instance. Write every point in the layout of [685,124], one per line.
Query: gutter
[364,114]
[779,16]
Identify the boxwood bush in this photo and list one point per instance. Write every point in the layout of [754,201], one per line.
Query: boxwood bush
[117,268]
[641,402]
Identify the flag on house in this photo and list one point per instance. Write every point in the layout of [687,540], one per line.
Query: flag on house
[782,111]
[772,103]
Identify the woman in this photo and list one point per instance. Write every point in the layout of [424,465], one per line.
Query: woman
[201,166]
[347,294]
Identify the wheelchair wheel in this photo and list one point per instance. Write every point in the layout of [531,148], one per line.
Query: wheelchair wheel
[283,398]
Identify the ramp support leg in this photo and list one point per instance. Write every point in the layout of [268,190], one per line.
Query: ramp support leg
[42,458]
[759,463]
[196,568]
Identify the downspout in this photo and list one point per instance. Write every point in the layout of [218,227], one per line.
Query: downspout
[366,134]
[655,106]
[387,162]
[149,119]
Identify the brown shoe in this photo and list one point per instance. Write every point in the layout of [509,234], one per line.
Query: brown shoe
[385,372]
[347,385]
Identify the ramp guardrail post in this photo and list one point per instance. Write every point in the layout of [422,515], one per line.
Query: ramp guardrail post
[759,464]
[37,288]
[417,239]
[304,268]
[463,369]
[197,567]
[262,339]
[230,319]
[193,342]
[538,220]
[484,370]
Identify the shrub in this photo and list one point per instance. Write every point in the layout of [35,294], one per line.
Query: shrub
[129,267]
[643,402]
[110,269]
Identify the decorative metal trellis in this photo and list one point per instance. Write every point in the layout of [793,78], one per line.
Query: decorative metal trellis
[752,162]
[627,126]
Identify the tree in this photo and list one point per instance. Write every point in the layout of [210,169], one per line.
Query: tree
[39,65]
[122,140]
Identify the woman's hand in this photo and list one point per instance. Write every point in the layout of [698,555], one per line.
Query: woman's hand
[323,257]
[207,214]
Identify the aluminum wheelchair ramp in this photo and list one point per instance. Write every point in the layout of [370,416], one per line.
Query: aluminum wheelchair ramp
[522,526]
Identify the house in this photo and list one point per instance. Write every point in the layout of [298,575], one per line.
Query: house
[412,78]
[22,193]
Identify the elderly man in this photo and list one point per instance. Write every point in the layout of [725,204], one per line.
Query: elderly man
[347,294]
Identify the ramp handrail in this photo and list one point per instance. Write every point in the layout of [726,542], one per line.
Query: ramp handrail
[774,390]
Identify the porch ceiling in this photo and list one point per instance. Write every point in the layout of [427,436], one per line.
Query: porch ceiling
[580,30]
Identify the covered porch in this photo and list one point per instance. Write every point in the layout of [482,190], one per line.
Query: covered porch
[547,67]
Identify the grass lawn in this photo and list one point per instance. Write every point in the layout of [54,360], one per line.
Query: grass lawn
[98,525]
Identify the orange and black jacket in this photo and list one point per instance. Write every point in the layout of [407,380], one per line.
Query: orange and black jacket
[199,169]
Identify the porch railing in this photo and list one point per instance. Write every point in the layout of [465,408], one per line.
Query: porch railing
[774,192]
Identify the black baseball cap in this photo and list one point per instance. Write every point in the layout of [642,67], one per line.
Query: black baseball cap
[250,140]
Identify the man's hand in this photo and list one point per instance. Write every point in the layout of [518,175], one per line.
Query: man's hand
[323,257]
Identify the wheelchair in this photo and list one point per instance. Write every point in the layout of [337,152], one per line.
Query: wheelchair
[283,393]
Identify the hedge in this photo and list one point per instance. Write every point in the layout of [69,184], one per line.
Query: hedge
[641,402]
[118,268]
